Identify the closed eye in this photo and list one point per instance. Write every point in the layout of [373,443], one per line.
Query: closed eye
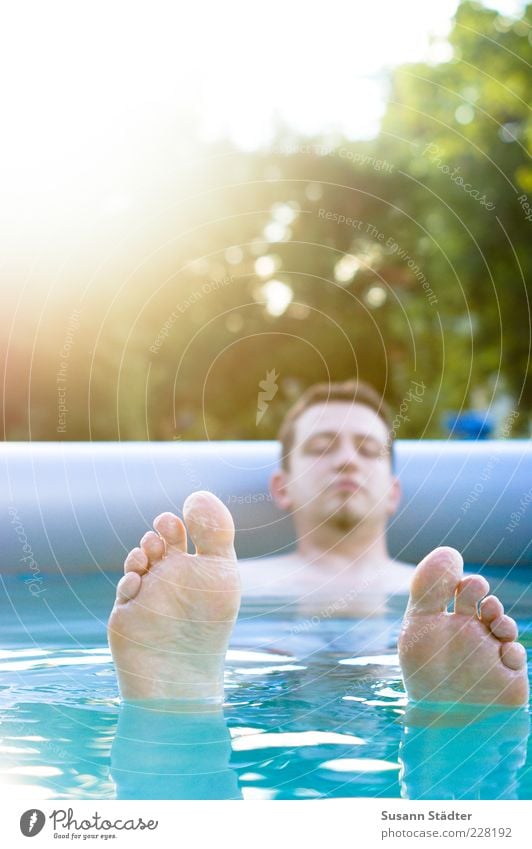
[369,448]
[320,444]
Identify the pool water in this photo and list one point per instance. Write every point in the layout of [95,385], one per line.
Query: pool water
[315,708]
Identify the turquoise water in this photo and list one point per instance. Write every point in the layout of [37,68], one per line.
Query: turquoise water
[314,709]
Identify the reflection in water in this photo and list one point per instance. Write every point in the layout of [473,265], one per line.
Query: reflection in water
[159,753]
[162,752]
[286,735]
[54,750]
[458,753]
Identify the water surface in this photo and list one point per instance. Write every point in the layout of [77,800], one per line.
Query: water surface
[314,708]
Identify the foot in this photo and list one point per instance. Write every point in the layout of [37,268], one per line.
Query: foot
[469,656]
[174,612]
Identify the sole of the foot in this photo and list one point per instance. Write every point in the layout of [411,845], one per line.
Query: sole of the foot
[174,612]
[467,656]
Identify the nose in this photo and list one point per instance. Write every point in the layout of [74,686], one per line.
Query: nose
[346,456]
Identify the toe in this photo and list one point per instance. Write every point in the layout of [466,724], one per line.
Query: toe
[513,655]
[469,592]
[152,546]
[128,587]
[172,530]
[435,581]
[210,524]
[504,628]
[491,608]
[136,561]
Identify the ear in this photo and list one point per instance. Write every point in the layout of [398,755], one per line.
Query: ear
[395,496]
[279,490]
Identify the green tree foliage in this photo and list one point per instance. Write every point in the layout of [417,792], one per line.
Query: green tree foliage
[466,126]
[404,259]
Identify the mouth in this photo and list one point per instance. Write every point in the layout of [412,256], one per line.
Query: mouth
[346,485]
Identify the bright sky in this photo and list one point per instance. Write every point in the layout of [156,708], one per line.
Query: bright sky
[84,84]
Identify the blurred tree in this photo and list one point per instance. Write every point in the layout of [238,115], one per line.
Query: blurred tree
[467,133]
[397,260]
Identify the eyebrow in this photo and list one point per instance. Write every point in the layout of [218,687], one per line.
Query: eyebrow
[332,434]
[328,433]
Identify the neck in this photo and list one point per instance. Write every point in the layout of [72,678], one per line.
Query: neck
[364,546]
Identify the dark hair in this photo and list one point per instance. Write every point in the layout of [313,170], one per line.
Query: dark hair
[353,391]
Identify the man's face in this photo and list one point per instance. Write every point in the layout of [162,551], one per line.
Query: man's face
[340,469]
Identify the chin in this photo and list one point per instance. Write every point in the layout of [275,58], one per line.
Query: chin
[345,517]
[345,524]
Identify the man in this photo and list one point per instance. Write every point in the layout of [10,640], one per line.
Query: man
[337,481]
[172,621]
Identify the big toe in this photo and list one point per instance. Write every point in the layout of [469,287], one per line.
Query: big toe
[435,581]
[210,524]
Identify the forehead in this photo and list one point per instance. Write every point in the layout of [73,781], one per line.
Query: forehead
[342,417]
